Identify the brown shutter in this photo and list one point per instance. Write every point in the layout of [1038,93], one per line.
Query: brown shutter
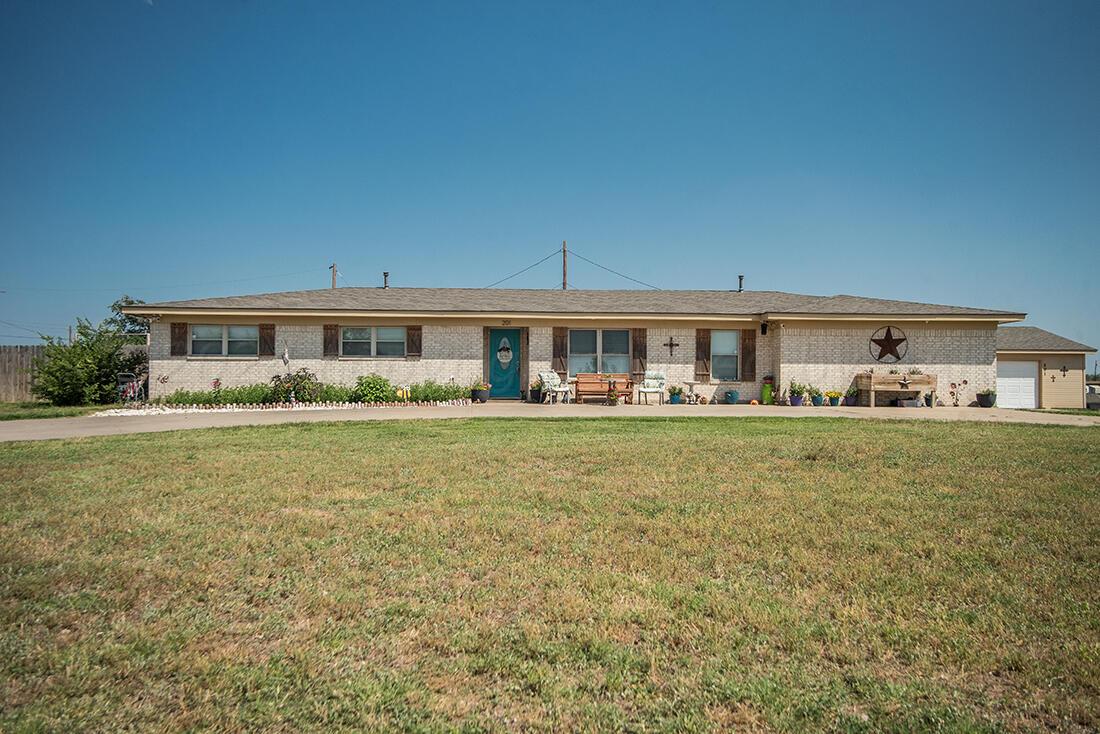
[748,355]
[414,341]
[702,355]
[561,349]
[179,340]
[332,340]
[638,349]
[267,340]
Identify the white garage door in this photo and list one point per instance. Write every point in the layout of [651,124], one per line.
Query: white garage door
[1017,384]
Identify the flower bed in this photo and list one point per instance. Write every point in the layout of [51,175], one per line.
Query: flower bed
[154,409]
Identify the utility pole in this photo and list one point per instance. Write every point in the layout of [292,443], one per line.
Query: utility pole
[564,267]
[333,269]
[70,334]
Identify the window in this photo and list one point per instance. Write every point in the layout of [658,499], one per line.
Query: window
[723,355]
[214,340]
[599,350]
[372,341]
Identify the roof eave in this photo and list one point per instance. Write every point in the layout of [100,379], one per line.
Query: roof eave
[1000,318]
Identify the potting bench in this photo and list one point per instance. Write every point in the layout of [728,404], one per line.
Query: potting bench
[872,382]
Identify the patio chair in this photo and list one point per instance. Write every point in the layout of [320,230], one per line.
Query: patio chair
[654,382]
[553,388]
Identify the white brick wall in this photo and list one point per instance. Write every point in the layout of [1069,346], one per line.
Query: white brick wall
[830,357]
[827,357]
[448,352]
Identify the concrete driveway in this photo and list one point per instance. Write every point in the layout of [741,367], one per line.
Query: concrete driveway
[51,428]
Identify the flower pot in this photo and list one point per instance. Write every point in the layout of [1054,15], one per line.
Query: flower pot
[987,400]
[818,400]
[733,396]
[479,396]
[536,396]
[834,401]
[796,401]
[675,399]
[851,400]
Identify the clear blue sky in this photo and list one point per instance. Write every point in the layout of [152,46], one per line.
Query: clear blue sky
[163,149]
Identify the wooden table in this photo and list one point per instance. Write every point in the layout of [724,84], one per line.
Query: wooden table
[875,381]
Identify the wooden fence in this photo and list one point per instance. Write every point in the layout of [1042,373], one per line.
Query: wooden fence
[15,371]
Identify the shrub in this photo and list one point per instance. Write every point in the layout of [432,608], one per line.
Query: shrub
[336,394]
[813,391]
[374,389]
[85,371]
[796,389]
[301,386]
[243,395]
[430,391]
[674,390]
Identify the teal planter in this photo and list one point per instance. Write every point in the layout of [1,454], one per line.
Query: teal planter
[675,399]
[733,396]
[818,400]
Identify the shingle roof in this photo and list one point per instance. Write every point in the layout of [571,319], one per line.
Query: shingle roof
[515,300]
[1034,339]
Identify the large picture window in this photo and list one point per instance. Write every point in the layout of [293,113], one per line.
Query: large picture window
[723,355]
[599,350]
[372,341]
[219,340]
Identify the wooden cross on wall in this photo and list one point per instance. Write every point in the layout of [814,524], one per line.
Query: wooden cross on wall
[671,345]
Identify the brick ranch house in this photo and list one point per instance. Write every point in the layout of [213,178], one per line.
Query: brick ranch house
[723,340]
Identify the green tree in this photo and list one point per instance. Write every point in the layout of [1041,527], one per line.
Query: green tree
[85,372]
[134,326]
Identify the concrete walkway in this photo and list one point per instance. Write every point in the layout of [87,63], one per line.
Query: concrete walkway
[50,428]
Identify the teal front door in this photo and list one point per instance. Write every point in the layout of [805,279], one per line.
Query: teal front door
[504,359]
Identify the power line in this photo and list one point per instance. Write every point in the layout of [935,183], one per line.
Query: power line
[521,272]
[616,272]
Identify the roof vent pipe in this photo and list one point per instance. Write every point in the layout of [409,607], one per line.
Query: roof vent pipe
[385,279]
[740,283]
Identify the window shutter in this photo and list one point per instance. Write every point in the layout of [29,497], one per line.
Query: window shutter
[561,349]
[332,340]
[179,340]
[414,341]
[638,349]
[702,355]
[748,355]
[267,340]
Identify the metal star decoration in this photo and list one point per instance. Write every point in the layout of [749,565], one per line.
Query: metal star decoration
[888,345]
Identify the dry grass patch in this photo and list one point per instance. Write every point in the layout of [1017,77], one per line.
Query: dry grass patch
[497,575]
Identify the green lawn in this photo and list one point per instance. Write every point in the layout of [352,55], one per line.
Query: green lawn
[1067,411]
[18,411]
[683,574]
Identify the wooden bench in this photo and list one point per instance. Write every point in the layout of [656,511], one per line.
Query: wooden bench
[596,385]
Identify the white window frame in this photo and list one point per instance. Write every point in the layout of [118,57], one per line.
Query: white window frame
[374,343]
[224,354]
[736,355]
[599,349]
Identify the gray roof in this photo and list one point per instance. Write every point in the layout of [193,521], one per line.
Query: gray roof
[518,300]
[1034,339]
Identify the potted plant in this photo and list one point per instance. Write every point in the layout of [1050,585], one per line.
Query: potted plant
[851,397]
[834,397]
[987,398]
[815,395]
[479,391]
[612,397]
[675,394]
[733,396]
[795,393]
[535,393]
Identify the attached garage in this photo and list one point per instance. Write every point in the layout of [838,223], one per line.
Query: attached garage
[1017,384]
[1038,369]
